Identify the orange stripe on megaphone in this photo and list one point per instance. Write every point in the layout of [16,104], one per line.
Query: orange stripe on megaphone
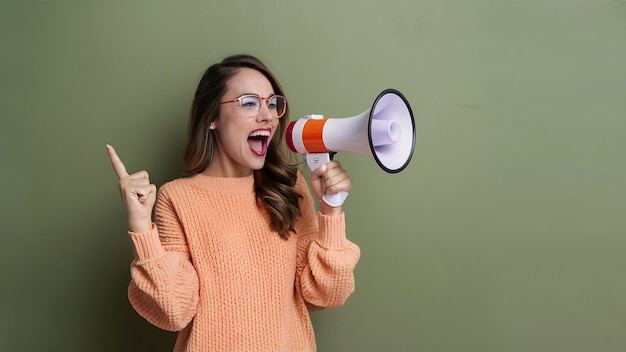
[312,136]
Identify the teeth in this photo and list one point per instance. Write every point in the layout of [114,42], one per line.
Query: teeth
[260,133]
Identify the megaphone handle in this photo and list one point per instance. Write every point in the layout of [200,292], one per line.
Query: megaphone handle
[335,200]
[315,160]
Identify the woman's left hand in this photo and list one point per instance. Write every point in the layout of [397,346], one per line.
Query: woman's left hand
[330,178]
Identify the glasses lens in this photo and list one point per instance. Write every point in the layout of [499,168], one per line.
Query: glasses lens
[277,105]
[250,104]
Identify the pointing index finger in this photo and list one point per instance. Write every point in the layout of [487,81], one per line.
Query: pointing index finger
[117,163]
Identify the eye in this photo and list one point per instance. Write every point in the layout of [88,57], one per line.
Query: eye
[249,102]
[272,104]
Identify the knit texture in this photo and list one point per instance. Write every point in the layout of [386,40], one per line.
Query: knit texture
[213,269]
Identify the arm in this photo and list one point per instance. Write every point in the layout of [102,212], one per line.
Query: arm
[164,287]
[326,258]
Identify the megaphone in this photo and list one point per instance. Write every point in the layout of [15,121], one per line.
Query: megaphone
[386,132]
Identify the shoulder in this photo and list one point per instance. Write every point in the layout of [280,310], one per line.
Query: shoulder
[175,184]
[301,182]
[302,187]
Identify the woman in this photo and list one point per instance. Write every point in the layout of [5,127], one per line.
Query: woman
[237,254]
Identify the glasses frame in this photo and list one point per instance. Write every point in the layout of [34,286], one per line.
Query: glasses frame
[261,99]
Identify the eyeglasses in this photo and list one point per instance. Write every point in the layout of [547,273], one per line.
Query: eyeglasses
[251,104]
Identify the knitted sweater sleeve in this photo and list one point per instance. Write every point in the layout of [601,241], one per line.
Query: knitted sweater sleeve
[164,286]
[326,258]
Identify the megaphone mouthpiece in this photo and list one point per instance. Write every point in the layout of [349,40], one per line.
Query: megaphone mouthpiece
[385,132]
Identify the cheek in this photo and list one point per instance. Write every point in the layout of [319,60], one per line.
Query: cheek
[277,131]
[233,130]
[229,137]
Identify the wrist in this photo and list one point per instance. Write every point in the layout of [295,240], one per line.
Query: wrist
[326,209]
[140,226]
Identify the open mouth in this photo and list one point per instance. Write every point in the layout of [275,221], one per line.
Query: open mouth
[258,141]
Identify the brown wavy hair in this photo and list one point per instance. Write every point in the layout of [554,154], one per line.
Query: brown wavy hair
[274,183]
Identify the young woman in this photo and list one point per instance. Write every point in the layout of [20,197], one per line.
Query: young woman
[237,254]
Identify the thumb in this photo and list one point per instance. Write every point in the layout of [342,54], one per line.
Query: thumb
[316,180]
[319,171]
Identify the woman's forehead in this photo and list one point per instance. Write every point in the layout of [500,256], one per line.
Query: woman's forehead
[249,81]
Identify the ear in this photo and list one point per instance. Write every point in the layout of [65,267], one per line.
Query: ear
[212,126]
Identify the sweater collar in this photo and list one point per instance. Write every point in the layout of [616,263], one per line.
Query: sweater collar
[225,184]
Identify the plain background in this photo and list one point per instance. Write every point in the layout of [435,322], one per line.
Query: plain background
[507,232]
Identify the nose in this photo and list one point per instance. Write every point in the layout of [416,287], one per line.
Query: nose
[264,113]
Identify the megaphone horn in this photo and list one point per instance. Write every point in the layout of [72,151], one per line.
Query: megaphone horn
[385,132]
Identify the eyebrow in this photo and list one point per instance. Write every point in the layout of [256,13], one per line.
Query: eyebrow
[258,95]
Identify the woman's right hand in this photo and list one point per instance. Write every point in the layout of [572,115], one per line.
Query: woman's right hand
[138,194]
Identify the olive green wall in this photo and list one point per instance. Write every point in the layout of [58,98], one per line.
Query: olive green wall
[507,231]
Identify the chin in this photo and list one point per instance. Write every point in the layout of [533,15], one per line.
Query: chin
[257,166]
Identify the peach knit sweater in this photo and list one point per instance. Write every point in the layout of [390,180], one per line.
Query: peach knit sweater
[212,268]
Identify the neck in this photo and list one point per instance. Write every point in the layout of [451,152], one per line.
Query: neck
[215,169]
